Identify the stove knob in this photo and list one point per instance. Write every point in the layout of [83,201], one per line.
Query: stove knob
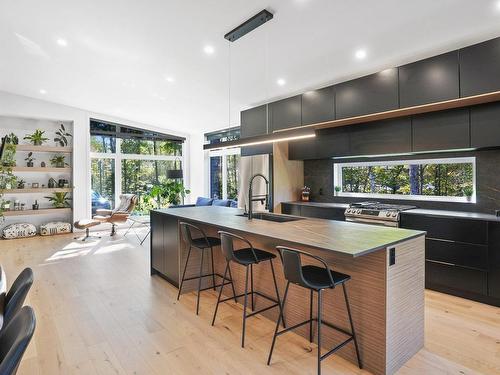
[394,214]
[358,212]
[388,214]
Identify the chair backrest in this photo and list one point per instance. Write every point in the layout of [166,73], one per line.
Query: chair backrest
[227,245]
[127,203]
[292,266]
[14,339]
[187,233]
[14,299]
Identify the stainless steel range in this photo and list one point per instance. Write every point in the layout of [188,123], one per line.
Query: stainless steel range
[375,213]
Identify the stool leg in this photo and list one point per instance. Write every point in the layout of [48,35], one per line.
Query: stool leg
[360,364]
[319,332]
[220,293]
[213,267]
[245,308]
[277,292]
[184,273]
[232,283]
[199,282]
[251,287]
[311,316]
[278,324]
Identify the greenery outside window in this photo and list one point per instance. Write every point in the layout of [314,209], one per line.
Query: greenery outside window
[449,179]
[224,173]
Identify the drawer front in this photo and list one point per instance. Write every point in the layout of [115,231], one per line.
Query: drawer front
[329,213]
[455,278]
[444,228]
[290,209]
[475,256]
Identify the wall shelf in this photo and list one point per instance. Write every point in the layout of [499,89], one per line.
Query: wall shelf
[42,169]
[56,149]
[42,211]
[36,190]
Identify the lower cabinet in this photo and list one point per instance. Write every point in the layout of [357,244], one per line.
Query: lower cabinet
[456,280]
[494,261]
[165,247]
[327,212]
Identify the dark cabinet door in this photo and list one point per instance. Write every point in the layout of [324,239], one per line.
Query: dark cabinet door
[286,113]
[157,249]
[457,253]
[371,94]
[494,260]
[480,68]
[456,280]
[445,130]
[171,243]
[381,137]
[485,125]
[327,143]
[329,213]
[254,122]
[430,80]
[318,106]
[290,209]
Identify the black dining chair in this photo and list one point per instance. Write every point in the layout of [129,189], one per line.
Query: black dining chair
[14,339]
[15,297]
[316,279]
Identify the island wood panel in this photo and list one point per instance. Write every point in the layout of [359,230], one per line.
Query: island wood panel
[367,294]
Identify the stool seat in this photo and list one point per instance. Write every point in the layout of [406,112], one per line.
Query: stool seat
[318,277]
[201,243]
[246,256]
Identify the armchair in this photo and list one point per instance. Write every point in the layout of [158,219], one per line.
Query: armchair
[119,214]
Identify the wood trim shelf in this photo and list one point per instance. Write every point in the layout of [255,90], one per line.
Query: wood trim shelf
[43,211]
[41,169]
[36,190]
[57,149]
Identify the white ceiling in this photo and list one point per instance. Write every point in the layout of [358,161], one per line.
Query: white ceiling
[119,52]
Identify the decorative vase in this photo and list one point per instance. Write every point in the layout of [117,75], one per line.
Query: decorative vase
[42,164]
[30,164]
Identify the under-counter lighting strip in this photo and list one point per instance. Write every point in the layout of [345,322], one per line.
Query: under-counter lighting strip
[402,154]
[243,144]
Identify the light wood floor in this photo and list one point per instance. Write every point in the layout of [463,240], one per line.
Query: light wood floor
[99,312]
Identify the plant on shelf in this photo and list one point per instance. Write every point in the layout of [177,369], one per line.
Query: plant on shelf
[37,138]
[468,192]
[6,180]
[337,189]
[58,161]
[21,183]
[9,155]
[12,139]
[170,190]
[59,200]
[29,160]
[62,136]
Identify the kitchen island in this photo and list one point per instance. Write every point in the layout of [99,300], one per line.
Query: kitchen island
[386,265]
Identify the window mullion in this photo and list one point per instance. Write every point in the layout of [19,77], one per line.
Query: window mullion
[224,177]
[118,172]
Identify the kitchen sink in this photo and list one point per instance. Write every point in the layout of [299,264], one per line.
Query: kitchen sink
[272,217]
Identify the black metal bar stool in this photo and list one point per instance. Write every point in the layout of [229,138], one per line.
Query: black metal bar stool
[315,279]
[201,243]
[247,257]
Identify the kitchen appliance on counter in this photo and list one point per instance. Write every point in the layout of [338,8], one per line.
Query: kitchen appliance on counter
[375,213]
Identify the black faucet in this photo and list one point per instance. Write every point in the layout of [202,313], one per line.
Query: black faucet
[251,198]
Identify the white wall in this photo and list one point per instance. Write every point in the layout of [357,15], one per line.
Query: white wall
[21,106]
[197,161]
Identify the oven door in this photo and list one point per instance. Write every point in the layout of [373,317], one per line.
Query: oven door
[362,220]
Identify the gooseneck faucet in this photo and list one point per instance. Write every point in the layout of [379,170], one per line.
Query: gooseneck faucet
[257,198]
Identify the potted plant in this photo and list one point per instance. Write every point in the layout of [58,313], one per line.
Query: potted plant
[337,190]
[12,139]
[58,161]
[29,160]
[59,200]
[172,191]
[37,138]
[468,192]
[62,136]
[5,205]
[20,184]
[9,155]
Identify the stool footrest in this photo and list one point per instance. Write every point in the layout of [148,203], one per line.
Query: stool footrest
[339,346]
[262,310]
[205,275]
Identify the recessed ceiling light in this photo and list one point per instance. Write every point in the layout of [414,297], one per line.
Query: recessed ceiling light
[360,54]
[209,50]
[43,91]
[62,42]
[169,79]
[281,82]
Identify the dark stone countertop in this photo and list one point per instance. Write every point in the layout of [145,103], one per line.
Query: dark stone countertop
[351,239]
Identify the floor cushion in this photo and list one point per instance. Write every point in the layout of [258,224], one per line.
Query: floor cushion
[18,230]
[55,227]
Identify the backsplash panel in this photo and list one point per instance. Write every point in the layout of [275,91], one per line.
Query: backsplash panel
[318,175]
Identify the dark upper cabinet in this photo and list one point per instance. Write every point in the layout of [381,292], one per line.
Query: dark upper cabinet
[441,130]
[254,122]
[485,125]
[381,137]
[430,80]
[480,68]
[285,113]
[318,106]
[371,94]
[327,143]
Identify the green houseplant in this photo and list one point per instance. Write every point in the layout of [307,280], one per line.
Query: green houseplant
[21,183]
[12,139]
[37,138]
[468,192]
[337,189]
[170,190]
[59,199]
[58,161]
[29,160]
[62,136]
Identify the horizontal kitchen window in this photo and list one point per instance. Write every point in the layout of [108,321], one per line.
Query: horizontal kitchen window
[449,179]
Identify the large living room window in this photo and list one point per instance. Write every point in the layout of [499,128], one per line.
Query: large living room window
[129,160]
[449,179]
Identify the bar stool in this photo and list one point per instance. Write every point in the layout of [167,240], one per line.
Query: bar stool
[315,279]
[201,243]
[247,257]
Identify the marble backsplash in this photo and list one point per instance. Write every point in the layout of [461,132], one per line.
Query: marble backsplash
[318,175]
